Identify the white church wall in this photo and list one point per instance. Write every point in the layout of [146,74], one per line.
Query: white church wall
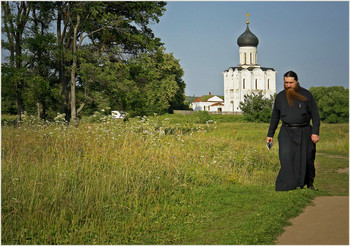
[271,75]
[228,90]
[245,80]
[236,81]
[237,84]
[247,55]
[258,79]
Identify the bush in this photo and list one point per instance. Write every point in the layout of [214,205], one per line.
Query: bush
[332,103]
[202,117]
[256,108]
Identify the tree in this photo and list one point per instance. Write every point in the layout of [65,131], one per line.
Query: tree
[40,46]
[332,103]
[256,108]
[100,53]
[143,85]
[156,77]
[15,17]
[63,42]
[9,77]
[107,24]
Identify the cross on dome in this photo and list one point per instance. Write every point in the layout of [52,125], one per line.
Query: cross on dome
[247,14]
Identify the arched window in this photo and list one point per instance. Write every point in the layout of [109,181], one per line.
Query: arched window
[245,58]
[256,84]
[243,83]
[251,58]
[268,84]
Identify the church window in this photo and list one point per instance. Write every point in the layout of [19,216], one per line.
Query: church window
[243,83]
[256,84]
[251,58]
[245,58]
[268,84]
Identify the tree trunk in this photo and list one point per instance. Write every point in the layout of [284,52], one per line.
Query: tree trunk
[73,108]
[23,12]
[61,68]
[74,118]
[38,105]
[63,88]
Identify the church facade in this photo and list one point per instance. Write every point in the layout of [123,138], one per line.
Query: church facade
[248,77]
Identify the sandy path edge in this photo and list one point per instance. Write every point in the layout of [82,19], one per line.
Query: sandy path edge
[325,222]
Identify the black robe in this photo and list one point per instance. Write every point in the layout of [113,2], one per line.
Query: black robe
[296,149]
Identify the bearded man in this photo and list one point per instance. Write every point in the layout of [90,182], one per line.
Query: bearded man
[295,107]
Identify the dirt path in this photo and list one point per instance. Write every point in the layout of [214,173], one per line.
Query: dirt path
[325,222]
[333,156]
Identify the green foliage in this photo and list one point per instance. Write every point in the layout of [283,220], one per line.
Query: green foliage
[112,60]
[256,108]
[15,16]
[158,78]
[131,21]
[332,103]
[9,76]
[148,84]
[8,119]
[202,117]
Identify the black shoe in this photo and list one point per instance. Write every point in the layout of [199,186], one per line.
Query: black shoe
[311,187]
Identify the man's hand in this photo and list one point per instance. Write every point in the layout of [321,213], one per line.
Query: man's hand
[269,139]
[315,138]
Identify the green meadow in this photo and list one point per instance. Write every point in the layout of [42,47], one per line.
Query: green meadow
[169,179]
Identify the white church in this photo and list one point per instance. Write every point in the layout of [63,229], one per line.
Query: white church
[248,76]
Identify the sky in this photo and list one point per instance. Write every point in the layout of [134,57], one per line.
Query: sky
[310,38]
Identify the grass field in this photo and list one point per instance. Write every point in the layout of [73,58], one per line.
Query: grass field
[169,179]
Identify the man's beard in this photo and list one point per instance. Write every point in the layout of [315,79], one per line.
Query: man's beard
[293,93]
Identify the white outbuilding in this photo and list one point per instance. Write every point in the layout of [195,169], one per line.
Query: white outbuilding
[210,103]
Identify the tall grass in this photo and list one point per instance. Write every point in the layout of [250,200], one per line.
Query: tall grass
[334,139]
[116,182]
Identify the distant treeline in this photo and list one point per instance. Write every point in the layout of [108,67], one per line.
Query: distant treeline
[79,57]
[332,103]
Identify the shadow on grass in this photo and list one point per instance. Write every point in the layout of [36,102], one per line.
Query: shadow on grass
[237,214]
[328,179]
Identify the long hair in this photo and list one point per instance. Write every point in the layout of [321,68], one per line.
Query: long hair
[293,93]
[291,74]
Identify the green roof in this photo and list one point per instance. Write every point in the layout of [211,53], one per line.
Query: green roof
[206,97]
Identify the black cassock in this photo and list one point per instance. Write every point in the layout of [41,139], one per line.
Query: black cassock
[296,149]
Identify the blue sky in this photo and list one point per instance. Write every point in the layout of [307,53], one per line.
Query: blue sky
[311,38]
